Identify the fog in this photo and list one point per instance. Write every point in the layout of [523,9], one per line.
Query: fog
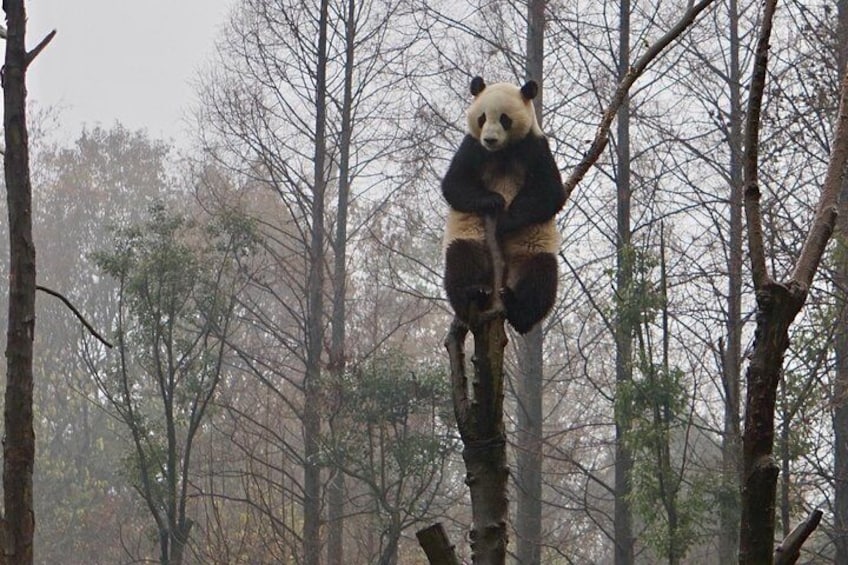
[117,60]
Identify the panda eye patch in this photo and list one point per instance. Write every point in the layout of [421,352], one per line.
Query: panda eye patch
[481,120]
[506,121]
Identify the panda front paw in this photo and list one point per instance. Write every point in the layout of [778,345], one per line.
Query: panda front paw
[479,295]
[492,203]
[506,224]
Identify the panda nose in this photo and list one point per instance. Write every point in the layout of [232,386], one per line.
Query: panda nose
[490,140]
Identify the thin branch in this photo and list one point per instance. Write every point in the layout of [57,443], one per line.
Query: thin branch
[636,70]
[751,142]
[76,312]
[31,55]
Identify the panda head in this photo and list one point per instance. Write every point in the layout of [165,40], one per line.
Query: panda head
[502,114]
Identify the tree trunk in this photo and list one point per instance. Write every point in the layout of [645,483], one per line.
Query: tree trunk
[623,519]
[840,340]
[480,423]
[777,306]
[389,555]
[479,417]
[528,519]
[336,499]
[19,441]
[315,315]
[528,457]
[731,456]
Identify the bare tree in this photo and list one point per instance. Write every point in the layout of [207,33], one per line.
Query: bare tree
[175,314]
[623,521]
[19,440]
[529,439]
[778,303]
[840,342]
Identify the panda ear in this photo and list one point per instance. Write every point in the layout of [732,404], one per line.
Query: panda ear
[530,90]
[477,85]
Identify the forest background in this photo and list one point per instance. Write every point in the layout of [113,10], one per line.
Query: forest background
[278,389]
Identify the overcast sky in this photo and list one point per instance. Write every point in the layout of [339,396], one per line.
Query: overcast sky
[122,60]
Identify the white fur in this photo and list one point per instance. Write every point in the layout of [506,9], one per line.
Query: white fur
[497,99]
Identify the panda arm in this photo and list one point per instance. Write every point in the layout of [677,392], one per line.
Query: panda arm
[542,195]
[463,186]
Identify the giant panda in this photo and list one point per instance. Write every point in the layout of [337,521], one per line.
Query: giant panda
[503,168]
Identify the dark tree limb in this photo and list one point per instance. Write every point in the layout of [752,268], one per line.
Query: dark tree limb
[19,440]
[31,55]
[751,142]
[777,306]
[435,543]
[76,313]
[789,550]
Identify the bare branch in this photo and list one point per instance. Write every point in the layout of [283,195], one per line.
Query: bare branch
[31,55]
[435,543]
[636,70]
[76,312]
[825,220]
[751,142]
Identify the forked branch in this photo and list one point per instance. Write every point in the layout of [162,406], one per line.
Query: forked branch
[751,165]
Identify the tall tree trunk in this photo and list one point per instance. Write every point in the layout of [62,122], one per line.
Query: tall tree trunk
[479,416]
[336,500]
[19,441]
[315,315]
[731,441]
[528,519]
[784,462]
[623,519]
[777,306]
[528,476]
[840,340]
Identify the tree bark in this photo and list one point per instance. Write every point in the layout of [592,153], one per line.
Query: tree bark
[19,441]
[336,498]
[840,340]
[437,546]
[480,418]
[528,518]
[315,314]
[623,518]
[777,306]
[731,444]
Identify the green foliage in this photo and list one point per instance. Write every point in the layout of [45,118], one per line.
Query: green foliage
[670,499]
[388,397]
[177,282]
[665,494]
[638,300]
[389,426]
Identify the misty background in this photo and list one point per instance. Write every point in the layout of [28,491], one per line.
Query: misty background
[263,248]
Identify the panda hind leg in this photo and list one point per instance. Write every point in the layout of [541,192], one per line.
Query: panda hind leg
[468,277]
[531,291]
